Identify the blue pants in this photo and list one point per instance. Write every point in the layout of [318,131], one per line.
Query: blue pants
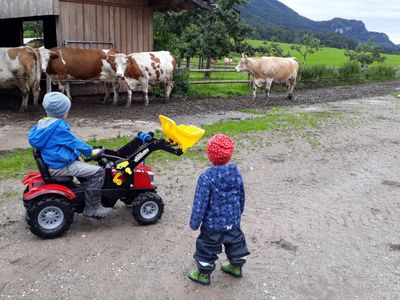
[209,244]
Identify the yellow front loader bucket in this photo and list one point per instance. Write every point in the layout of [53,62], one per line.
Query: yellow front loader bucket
[183,135]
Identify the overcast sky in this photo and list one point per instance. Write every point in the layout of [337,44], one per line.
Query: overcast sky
[378,15]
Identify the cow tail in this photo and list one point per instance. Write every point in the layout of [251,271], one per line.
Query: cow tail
[38,65]
[38,68]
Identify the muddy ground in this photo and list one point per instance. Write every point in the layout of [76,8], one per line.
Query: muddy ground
[89,118]
[322,216]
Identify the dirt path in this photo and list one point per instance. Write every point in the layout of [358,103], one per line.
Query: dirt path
[91,119]
[322,222]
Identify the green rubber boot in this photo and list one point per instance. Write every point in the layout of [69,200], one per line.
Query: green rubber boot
[196,276]
[231,270]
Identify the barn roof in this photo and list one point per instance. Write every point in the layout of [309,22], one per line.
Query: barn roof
[164,5]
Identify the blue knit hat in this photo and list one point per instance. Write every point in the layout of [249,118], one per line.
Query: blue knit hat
[56,104]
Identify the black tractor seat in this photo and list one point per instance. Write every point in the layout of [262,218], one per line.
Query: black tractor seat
[44,171]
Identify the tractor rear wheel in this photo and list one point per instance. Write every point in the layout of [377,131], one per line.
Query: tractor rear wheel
[50,217]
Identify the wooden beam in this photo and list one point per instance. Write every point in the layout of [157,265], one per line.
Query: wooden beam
[191,5]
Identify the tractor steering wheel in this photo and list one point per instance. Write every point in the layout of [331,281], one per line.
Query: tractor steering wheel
[97,156]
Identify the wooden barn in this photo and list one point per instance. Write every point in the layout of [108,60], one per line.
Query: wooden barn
[126,25]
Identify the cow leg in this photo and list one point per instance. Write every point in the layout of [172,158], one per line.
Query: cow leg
[107,90]
[48,83]
[268,84]
[292,83]
[168,90]
[145,89]
[146,98]
[115,86]
[25,97]
[68,90]
[36,94]
[254,91]
[61,87]
[129,101]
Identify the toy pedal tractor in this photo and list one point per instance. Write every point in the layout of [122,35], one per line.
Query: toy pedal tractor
[51,202]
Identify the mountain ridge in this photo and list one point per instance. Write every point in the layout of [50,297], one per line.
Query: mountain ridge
[275,13]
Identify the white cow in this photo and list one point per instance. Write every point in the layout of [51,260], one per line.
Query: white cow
[20,68]
[146,68]
[267,70]
[227,61]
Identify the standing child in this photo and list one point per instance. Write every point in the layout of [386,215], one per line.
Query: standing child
[218,205]
[60,150]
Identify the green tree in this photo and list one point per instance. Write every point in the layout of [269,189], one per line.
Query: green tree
[309,45]
[206,33]
[33,29]
[366,54]
[220,30]
[168,30]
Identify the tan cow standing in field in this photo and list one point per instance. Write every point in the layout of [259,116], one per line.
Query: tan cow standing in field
[267,70]
[227,61]
[62,64]
[20,67]
[140,70]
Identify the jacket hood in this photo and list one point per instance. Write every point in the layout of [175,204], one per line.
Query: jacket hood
[223,177]
[39,134]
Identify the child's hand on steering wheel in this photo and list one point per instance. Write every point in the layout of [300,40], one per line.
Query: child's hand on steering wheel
[96,152]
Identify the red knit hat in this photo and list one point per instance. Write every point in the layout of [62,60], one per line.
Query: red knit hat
[220,149]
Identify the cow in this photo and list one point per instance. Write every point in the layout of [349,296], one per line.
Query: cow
[20,68]
[227,61]
[214,61]
[267,70]
[62,64]
[146,68]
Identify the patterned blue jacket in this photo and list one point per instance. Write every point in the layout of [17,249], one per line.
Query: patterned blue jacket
[219,199]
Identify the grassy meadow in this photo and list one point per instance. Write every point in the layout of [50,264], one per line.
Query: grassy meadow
[330,57]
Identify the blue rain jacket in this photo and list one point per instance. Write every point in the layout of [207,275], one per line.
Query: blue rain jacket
[219,199]
[59,147]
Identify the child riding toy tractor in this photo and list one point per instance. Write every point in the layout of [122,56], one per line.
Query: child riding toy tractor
[51,202]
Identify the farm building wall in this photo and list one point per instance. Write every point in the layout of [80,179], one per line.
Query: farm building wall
[125,25]
[27,8]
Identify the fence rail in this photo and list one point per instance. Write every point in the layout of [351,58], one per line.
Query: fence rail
[217,81]
[249,81]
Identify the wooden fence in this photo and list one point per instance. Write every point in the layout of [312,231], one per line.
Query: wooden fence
[217,81]
[249,81]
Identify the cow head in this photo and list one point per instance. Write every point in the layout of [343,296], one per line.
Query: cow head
[242,65]
[46,55]
[121,61]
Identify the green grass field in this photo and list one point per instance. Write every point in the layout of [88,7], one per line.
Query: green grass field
[331,57]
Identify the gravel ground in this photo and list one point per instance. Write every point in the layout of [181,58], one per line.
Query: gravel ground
[89,118]
[321,218]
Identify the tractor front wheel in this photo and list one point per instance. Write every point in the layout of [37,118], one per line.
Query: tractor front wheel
[50,217]
[147,208]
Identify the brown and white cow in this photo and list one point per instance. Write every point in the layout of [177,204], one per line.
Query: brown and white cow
[146,68]
[20,68]
[62,64]
[267,70]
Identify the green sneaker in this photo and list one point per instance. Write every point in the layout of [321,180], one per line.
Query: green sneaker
[196,276]
[231,270]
